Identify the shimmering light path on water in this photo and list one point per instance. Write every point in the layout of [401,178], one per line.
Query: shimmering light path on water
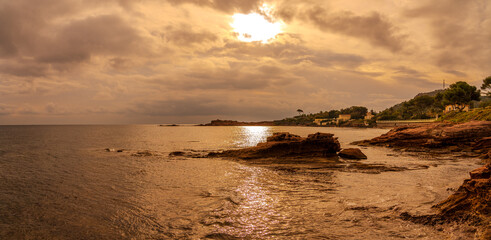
[58,182]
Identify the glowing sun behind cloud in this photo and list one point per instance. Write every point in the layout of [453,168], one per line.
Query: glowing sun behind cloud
[254,27]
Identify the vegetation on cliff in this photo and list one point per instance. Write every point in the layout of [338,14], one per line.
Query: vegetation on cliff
[430,105]
[356,112]
[478,114]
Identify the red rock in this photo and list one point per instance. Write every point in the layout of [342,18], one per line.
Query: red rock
[472,201]
[468,135]
[285,145]
[352,153]
[283,136]
[481,173]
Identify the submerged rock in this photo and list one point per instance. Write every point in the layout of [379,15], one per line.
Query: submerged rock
[145,153]
[288,145]
[352,153]
[177,153]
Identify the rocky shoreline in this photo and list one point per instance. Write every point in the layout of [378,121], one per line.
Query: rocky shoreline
[471,203]
[472,137]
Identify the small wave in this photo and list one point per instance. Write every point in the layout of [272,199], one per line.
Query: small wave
[221,236]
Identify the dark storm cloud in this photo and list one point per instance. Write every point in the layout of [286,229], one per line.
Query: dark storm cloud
[184,35]
[236,78]
[79,40]
[424,83]
[374,28]
[208,106]
[24,68]
[461,30]
[229,6]
[402,70]
[34,41]
[288,52]
[456,73]
[22,23]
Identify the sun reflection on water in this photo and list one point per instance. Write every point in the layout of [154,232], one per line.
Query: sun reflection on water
[252,135]
[254,211]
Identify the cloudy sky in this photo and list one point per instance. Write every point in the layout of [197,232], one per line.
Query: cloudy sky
[191,61]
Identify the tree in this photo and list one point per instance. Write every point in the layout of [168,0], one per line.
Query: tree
[486,85]
[300,111]
[357,112]
[333,114]
[460,94]
[420,106]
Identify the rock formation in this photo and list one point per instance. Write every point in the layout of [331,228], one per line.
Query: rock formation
[284,145]
[470,203]
[352,153]
[472,136]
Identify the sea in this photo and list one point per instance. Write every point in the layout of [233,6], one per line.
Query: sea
[70,182]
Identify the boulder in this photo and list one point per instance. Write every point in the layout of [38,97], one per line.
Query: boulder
[352,153]
[285,145]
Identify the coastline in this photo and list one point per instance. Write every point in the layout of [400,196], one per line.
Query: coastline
[470,204]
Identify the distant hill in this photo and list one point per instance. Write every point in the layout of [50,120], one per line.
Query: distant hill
[431,94]
[422,106]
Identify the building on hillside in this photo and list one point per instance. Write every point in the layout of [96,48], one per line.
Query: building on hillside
[344,117]
[456,107]
[318,121]
[369,116]
[323,121]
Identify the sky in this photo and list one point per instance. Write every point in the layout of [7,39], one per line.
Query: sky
[192,61]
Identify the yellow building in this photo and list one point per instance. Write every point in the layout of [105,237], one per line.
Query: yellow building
[323,121]
[369,116]
[456,107]
[344,117]
[318,121]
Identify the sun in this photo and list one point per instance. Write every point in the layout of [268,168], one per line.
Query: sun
[254,27]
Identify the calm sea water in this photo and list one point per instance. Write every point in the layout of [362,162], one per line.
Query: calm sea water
[58,182]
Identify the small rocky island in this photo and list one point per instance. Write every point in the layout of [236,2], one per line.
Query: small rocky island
[288,146]
[291,152]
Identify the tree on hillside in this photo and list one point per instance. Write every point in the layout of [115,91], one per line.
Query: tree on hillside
[486,85]
[357,112]
[419,107]
[333,114]
[460,94]
[300,111]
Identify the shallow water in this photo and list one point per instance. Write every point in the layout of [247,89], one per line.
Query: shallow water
[58,182]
